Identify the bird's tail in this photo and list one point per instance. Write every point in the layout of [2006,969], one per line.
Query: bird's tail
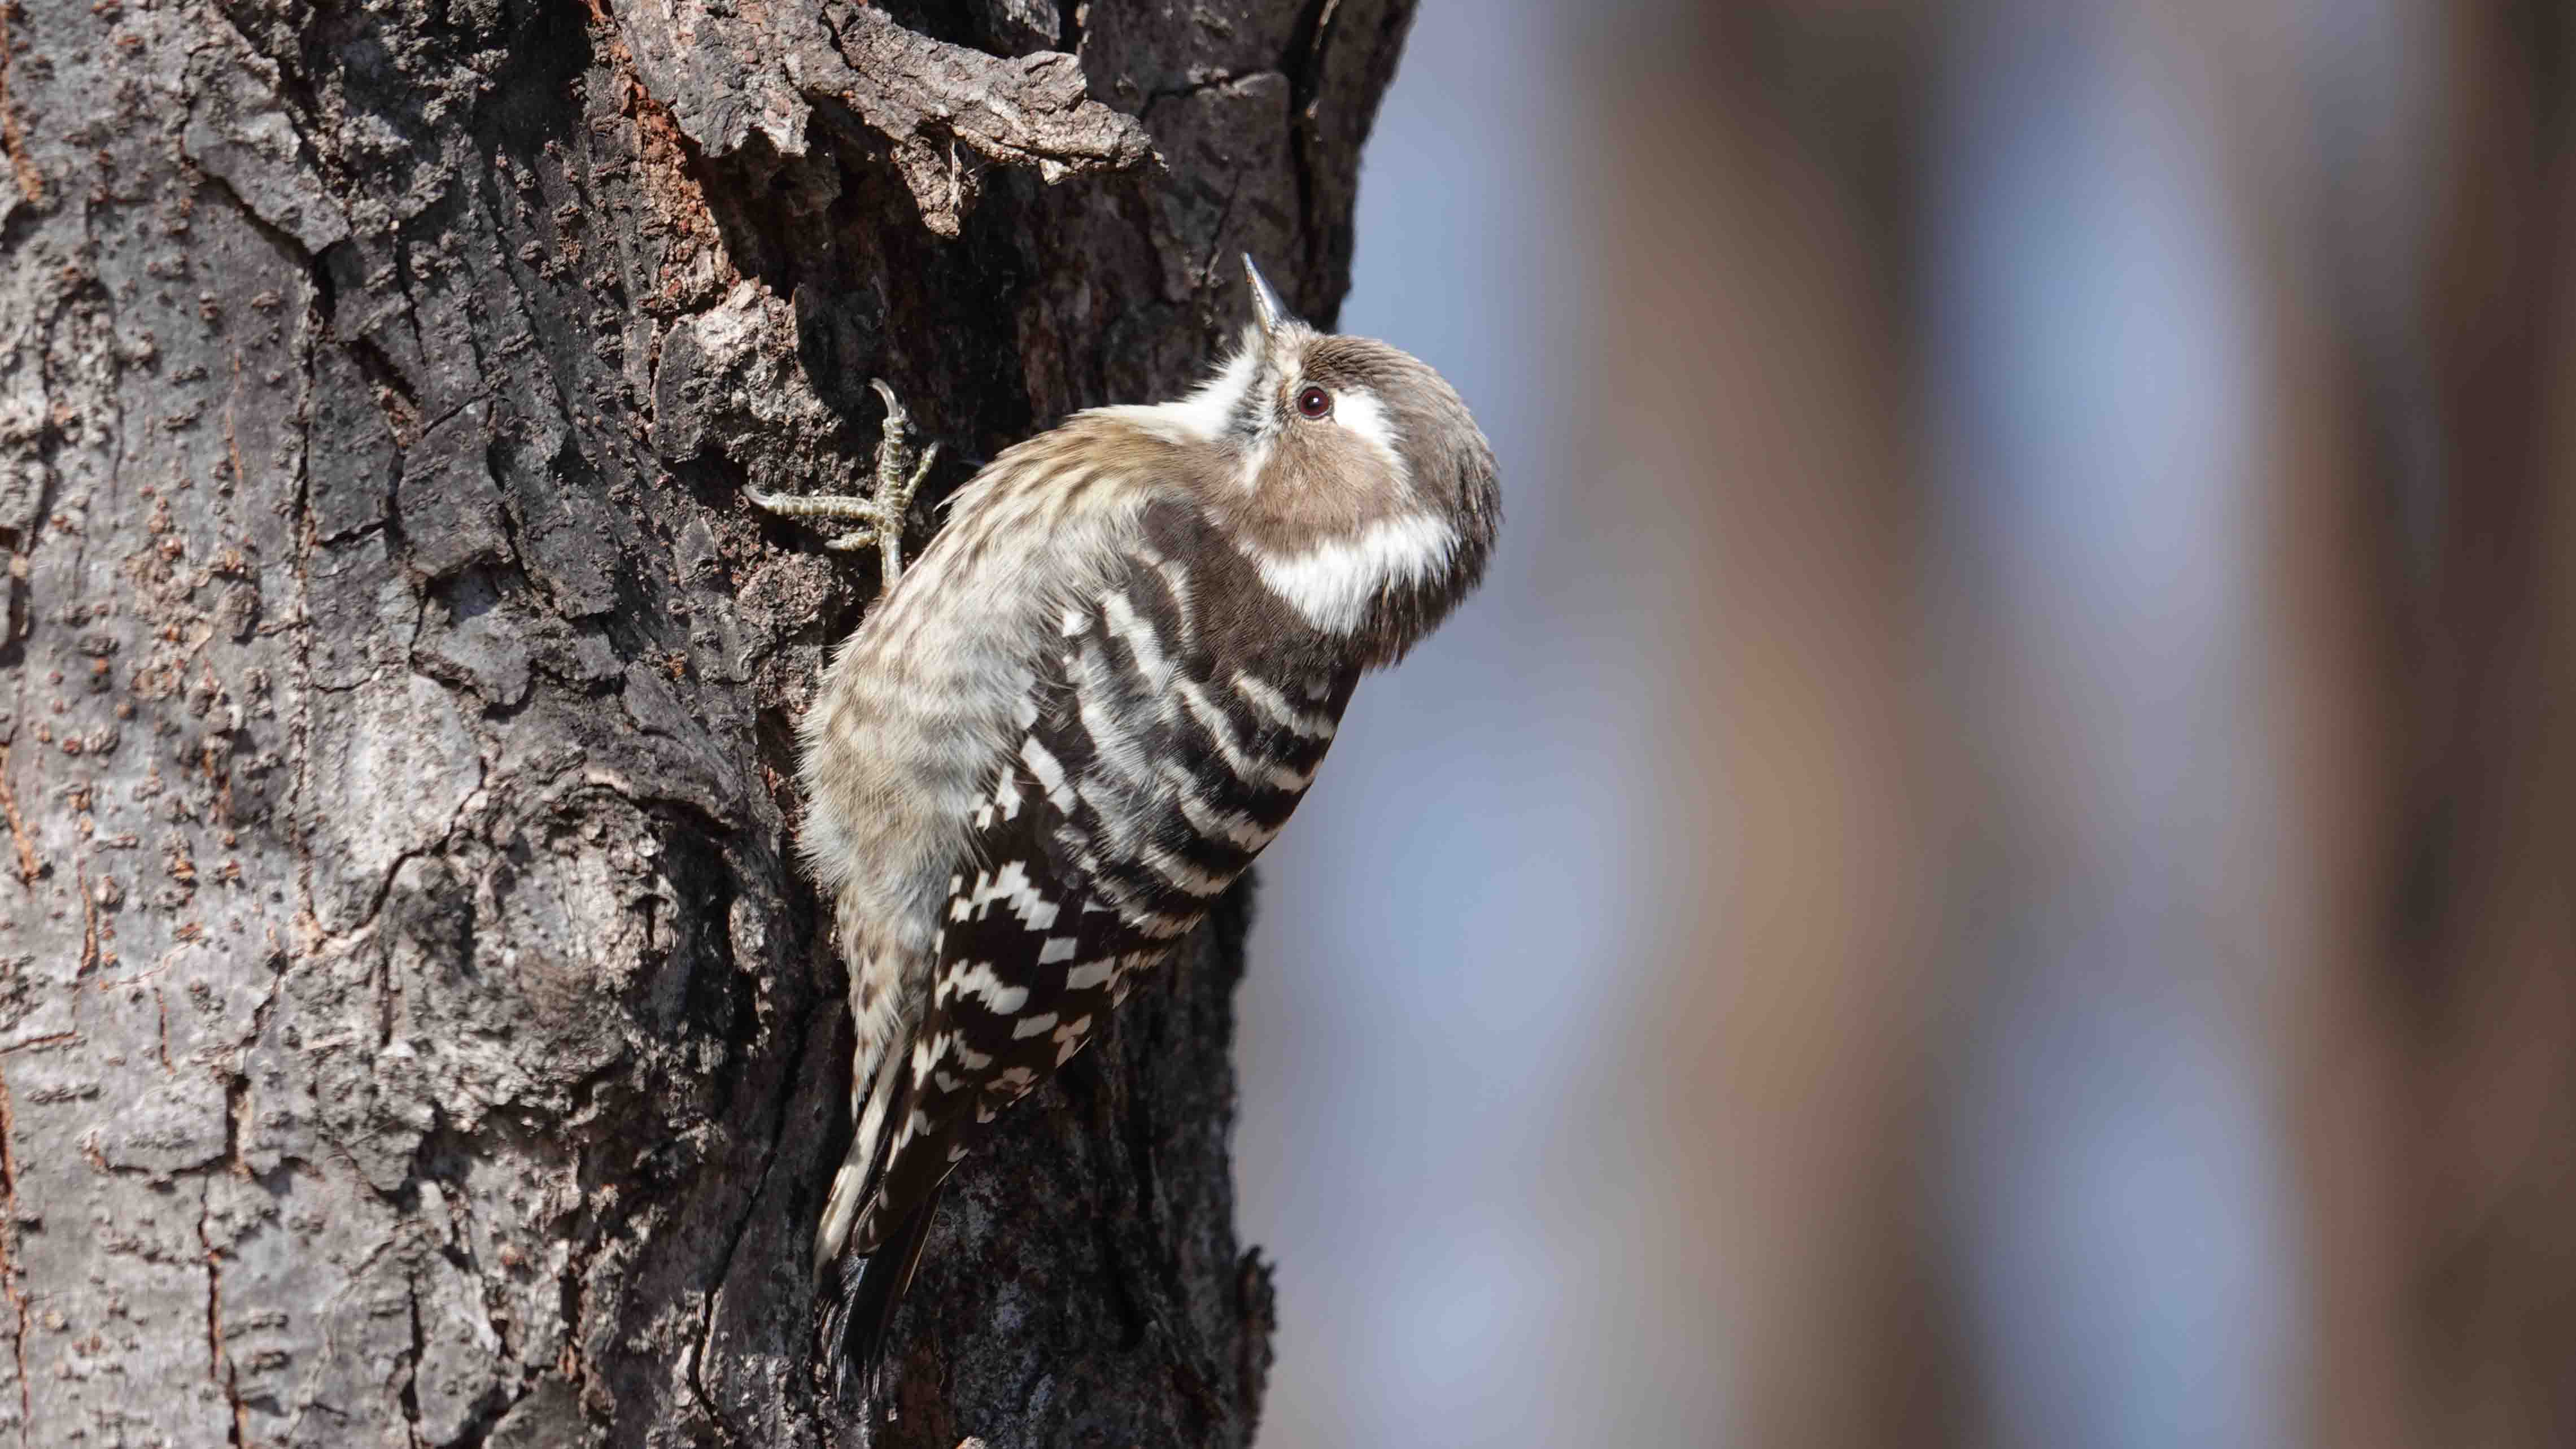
[866,1289]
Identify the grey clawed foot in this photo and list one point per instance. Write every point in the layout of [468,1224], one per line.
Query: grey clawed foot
[881,513]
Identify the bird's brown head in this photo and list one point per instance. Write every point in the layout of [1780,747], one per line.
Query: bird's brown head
[1350,473]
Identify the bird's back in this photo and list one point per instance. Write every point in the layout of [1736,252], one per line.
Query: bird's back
[1151,742]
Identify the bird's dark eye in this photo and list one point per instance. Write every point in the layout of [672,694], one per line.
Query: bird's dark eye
[1314,402]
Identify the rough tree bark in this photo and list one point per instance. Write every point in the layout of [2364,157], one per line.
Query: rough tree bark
[413,1028]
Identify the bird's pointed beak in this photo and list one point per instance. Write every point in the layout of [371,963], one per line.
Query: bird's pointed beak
[1265,302]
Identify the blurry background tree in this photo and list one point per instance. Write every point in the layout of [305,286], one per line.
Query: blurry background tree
[412,1028]
[1995,865]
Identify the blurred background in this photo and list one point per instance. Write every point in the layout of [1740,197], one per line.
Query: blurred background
[1993,864]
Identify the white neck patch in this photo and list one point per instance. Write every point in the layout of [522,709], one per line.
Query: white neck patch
[1202,416]
[1333,585]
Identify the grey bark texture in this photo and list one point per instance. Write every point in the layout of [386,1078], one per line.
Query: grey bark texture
[414,1028]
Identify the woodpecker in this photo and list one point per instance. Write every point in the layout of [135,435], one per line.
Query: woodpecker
[1066,729]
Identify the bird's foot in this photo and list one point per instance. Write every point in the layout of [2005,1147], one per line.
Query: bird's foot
[880,514]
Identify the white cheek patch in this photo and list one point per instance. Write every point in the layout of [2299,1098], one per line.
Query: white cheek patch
[1365,417]
[1333,585]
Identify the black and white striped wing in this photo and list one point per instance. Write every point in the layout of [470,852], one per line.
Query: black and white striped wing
[1172,730]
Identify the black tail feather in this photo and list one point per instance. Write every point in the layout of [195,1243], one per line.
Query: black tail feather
[869,1289]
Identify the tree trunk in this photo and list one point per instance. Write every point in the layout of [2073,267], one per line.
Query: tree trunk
[414,1027]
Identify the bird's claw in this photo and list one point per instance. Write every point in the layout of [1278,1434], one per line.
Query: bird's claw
[881,513]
